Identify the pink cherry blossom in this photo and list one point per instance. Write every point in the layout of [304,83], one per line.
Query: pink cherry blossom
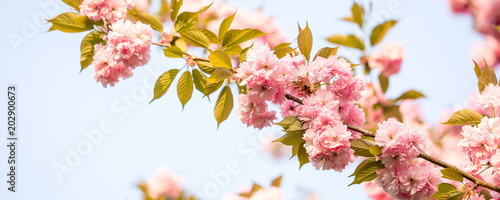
[131,42]
[388,59]
[272,193]
[489,99]
[110,10]
[477,145]
[486,51]
[375,192]
[165,183]
[108,71]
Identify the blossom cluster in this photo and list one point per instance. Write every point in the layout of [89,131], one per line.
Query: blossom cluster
[128,46]
[485,16]
[164,184]
[109,10]
[328,90]
[388,59]
[403,177]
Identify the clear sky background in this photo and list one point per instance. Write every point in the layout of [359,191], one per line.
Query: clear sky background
[57,104]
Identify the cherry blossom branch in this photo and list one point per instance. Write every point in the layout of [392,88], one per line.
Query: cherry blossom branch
[185,53]
[475,180]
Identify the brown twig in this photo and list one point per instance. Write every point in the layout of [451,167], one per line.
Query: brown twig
[424,156]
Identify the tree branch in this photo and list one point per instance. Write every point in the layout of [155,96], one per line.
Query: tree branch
[424,156]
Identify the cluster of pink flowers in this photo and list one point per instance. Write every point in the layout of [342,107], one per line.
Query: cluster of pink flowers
[375,192]
[489,99]
[165,184]
[212,18]
[486,16]
[403,177]
[128,46]
[109,10]
[388,59]
[328,90]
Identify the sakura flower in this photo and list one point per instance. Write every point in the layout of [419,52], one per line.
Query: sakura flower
[388,59]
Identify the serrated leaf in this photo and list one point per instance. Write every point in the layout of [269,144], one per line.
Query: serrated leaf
[211,88]
[243,54]
[235,36]
[150,19]
[465,116]
[302,155]
[282,45]
[220,58]
[444,191]
[71,22]
[384,82]
[361,147]
[361,164]
[452,174]
[456,196]
[379,31]
[290,139]
[233,50]
[199,80]
[327,52]
[305,41]
[410,94]
[295,150]
[224,26]
[87,48]
[179,42]
[185,21]
[296,128]
[220,74]
[347,40]
[185,88]
[74,4]
[210,35]
[477,69]
[195,37]
[368,172]
[163,83]
[175,5]
[173,52]
[276,182]
[282,52]
[205,66]
[375,150]
[487,76]
[357,14]
[224,105]
[287,121]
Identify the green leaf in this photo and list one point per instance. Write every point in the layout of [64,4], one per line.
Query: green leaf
[71,22]
[210,35]
[384,82]
[224,26]
[452,174]
[173,52]
[242,89]
[349,19]
[276,182]
[150,19]
[200,80]
[164,10]
[305,41]
[282,45]
[235,36]
[282,52]
[375,150]
[444,191]
[486,194]
[163,83]
[487,76]
[302,155]
[347,40]
[297,128]
[465,116]
[290,139]
[220,74]
[295,150]
[392,111]
[233,50]
[361,147]
[410,94]
[361,164]
[179,42]
[185,88]
[185,21]
[175,5]
[477,69]
[205,66]
[287,121]
[368,172]
[87,48]
[379,31]
[357,14]
[224,105]
[243,54]
[220,58]
[327,52]
[211,88]
[195,37]
[74,4]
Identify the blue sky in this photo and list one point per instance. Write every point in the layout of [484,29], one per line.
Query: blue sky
[57,104]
